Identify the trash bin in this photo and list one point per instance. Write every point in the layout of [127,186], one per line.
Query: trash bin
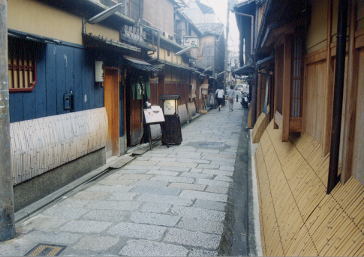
[171,128]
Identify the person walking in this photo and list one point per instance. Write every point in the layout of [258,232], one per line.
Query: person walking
[231,98]
[220,94]
[238,95]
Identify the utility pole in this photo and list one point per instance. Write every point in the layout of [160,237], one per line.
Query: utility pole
[7,227]
[226,66]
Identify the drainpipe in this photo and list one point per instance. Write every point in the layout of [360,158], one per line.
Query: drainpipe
[159,45]
[338,95]
[252,22]
[7,228]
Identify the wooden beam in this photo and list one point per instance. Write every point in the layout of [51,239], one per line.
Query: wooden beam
[351,99]
[295,125]
[276,81]
[316,56]
[329,83]
[7,224]
[287,81]
[278,119]
[259,94]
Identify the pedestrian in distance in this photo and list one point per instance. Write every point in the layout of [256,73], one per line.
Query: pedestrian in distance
[237,94]
[220,94]
[231,98]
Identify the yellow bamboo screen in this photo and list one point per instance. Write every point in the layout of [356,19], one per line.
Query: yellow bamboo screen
[297,217]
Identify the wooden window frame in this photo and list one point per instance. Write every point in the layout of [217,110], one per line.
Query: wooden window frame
[18,63]
[285,60]
[295,124]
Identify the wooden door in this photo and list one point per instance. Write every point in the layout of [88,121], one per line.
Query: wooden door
[112,105]
[134,114]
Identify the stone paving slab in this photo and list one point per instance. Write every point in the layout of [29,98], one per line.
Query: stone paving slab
[211,205]
[154,190]
[168,202]
[82,226]
[201,225]
[107,215]
[156,207]
[151,248]
[154,219]
[96,243]
[189,194]
[186,186]
[191,238]
[133,230]
[198,213]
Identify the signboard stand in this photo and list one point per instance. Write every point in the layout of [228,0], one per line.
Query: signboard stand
[153,116]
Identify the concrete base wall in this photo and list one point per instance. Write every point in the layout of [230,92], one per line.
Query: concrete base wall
[191,109]
[38,187]
[183,113]
[156,131]
[123,145]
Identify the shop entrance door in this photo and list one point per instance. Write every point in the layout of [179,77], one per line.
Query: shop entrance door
[112,105]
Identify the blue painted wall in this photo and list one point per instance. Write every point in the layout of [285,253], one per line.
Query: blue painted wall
[60,69]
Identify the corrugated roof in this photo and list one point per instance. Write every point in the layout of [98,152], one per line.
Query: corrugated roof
[142,65]
[98,41]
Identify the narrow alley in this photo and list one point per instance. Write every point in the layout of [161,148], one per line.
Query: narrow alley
[168,202]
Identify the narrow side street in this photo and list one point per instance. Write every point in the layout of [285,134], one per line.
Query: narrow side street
[170,201]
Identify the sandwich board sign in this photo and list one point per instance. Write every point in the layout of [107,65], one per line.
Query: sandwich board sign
[154,115]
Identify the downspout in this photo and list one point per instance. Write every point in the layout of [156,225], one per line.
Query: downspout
[338,95]
[252,23]
[159,45]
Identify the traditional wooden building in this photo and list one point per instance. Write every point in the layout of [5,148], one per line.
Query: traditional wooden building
[66,92]
[210,56]
[305,71]
[169,28]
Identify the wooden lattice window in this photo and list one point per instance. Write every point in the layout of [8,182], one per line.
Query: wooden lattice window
[22,65]
[297,76]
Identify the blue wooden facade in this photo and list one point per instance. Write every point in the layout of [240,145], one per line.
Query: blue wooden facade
[60,69]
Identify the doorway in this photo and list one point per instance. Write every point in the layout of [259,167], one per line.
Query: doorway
[134,111]
[112,105]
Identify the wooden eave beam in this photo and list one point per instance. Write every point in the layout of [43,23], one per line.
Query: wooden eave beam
[279,33]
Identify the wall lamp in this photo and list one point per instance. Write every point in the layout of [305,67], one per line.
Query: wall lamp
[104,14]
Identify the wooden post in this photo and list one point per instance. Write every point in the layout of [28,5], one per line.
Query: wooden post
[275,105]
[338,95]
[351,99]
[329,86]
[259,94]
[7,228]
[287,79]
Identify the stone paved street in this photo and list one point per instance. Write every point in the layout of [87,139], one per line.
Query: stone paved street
[170,201]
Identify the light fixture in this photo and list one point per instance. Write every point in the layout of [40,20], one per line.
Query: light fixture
[185,50]
[104,14]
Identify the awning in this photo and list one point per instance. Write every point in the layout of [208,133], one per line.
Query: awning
[178,66]
[32,37]
[91,40]
[142,65]
[245,70]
